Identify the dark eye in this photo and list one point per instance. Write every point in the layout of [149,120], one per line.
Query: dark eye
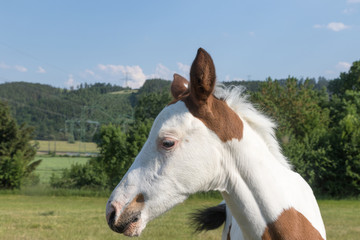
[168,143]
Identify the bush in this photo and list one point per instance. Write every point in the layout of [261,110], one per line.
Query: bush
[88,176]
[16,151]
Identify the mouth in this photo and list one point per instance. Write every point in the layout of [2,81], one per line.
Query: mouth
[127,226]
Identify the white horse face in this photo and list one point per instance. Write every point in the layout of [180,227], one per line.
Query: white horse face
[181,156]
[178,159]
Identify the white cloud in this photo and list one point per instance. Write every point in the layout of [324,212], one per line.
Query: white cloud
[41,70]
[162,72]
[133,74]
[89,72]
[71,82]
[343,66]
[183,67]
[20,68]
[337,26]
[4,66]
[318,26]
[228,78]
[349,11]
[113,69]
[334,26]
[337,69]
[252,34]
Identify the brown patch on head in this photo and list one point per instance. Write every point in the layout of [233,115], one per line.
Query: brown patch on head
[213,112]
[128,221]
[291,224]
[137,203]
[202,76]
[179,86]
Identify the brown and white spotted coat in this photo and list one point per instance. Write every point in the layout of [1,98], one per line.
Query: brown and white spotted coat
[200,142]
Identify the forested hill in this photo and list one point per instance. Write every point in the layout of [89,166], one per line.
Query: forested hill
[57,113]
[76,114]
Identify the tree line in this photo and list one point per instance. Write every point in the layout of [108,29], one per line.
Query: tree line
[71,114]
[318,129]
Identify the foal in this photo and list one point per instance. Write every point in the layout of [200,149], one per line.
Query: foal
[213,139]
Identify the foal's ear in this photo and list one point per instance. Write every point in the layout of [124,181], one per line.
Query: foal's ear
[179,86]
[202,76]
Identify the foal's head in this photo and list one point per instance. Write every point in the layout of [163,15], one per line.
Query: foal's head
[183,154]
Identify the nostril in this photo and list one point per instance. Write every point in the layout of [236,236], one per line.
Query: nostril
[111,218]
[135,219]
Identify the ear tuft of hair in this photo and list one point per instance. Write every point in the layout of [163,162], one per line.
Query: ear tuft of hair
[208,218]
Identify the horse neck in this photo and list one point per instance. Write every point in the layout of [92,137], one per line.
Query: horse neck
[252,187]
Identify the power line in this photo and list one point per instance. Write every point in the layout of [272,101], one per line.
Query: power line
[46,63]
[40,109]
[21,52]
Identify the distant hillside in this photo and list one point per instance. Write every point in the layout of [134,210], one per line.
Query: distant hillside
[62,114]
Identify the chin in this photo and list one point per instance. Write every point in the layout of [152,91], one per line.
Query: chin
[134,229]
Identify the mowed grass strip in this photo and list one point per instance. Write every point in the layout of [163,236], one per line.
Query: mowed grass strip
[35,217]
[125,92]
[64,146]
[54,165]
[341,218]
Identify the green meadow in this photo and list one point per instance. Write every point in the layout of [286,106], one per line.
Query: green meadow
[54,165]
[66,147]
[35,214]
[49,217]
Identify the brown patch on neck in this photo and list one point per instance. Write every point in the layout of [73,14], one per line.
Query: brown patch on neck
[291,224]
[217,116]
[228,235]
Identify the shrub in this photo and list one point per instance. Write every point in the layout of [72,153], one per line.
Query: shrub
[16,151]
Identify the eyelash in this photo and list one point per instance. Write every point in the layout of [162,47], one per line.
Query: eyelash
[168,143]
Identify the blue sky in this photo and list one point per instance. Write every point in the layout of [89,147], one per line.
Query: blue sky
[65,43]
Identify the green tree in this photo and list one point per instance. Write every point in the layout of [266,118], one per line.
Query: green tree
[150,105]
[344,177]
[89,175]
[302,124]
[118,150]
[16,151]
[347,81]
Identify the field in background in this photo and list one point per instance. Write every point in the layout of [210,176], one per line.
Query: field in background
[71,217]
[50,165]
[127,91]
[36,217]
[64,147]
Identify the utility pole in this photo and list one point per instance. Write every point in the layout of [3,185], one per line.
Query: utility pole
[126,79]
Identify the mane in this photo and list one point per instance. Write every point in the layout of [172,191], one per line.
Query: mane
[237,100]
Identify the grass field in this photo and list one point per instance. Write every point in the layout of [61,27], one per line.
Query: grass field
[64,147]
[128,91]
[35,217]
[50,165]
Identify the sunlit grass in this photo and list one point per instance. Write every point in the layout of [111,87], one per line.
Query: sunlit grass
[342,218]
[64,146]
[46,217]
[50,165]
[34,217]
